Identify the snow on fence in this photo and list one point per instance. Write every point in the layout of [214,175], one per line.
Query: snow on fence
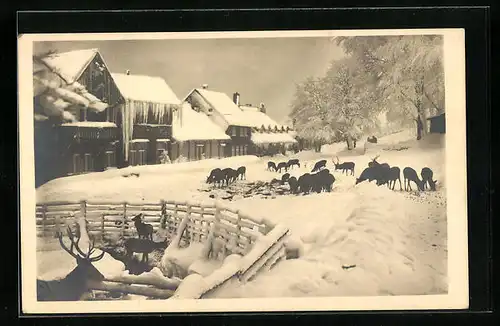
[266,252]
[224,232]
[109,220]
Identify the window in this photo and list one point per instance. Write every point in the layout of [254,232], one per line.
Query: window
[142,157]
[199,151]
[109,159]
[233,131]
[132,157]
[245,150]
[76,163]
[88,163]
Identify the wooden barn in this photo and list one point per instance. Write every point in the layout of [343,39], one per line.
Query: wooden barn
[90,141]
[437,124]
[147,117]
[227,115]
[195,136]
[268,137]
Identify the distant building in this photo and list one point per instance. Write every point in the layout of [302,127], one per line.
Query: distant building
[195,136]
[226,114]
[268,137]
[91,142]
[437,124]
[146,118]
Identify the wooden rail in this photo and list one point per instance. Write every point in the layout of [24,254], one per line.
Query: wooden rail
[107,221]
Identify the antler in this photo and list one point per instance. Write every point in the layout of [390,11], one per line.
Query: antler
[70,251]
[376,157]
[337,159]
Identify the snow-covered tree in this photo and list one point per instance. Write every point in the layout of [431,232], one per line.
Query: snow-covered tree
[54,98]
[408,71]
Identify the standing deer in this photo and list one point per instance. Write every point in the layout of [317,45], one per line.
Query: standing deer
[394,175]
[410,174]
[142,246]
[76,283]
[346,166]
[144,230]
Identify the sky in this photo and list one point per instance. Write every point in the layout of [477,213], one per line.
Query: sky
[262,70]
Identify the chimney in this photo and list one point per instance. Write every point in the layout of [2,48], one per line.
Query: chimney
[204,86]
[127,72]
[236,98]
[262,108]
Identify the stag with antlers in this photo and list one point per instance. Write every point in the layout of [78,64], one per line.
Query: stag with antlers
[76,283]
[345,167]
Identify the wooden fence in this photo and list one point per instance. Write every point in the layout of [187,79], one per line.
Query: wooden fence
[107,221]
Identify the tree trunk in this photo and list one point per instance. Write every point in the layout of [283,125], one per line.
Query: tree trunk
[419,127]
[349,142]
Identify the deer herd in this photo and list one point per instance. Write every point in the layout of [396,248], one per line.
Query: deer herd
[320,179]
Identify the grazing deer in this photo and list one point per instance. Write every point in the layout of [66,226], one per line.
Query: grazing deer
[282,165]
[76,283]
[216,177]
[410,174]
[271,166]
[144,230]
[241,171]
[293,162]
[346,166]
[142,246]
[394,174]
[427,175]
[318,166]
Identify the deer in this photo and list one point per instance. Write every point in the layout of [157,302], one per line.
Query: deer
[427,175]
[282,165]
[271,166]
[241,171]
[346,166]
[394,174]
[318,166]
[142,246]
[216,177]
[293,162]
[78,281]
[410,174]
[144,230]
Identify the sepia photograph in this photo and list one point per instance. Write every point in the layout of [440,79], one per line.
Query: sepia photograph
[283,171]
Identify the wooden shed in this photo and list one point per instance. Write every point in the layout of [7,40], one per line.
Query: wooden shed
[437,124]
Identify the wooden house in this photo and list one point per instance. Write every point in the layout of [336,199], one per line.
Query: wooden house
[146,117]
[437,124]
[227,115]
[91,141]
[195,136]
[267,136]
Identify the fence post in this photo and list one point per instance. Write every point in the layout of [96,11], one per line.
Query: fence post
[83,213]
[44,220]
[163,216]
[124,218]
[202,223]
[176,218]
[189,234]
[102,228]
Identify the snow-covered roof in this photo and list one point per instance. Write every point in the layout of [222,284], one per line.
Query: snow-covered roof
[257,118]
[70,65]
[195,126]
[90,124]
[145,88]
[269,137]
[225,106]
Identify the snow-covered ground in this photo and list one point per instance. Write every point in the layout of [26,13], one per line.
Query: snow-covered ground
[394,242]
